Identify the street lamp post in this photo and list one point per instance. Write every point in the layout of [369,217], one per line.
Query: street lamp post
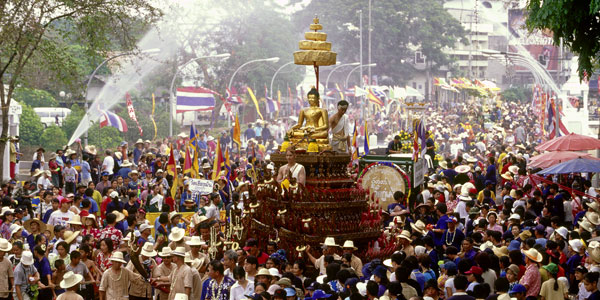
[87,87]
[276,72]
[272,59]
[329,75]
[171,94]
[354,69]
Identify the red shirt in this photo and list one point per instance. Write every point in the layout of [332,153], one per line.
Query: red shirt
[103,205]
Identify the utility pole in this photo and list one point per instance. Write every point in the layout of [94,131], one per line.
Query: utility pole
[370,78]
[364,115]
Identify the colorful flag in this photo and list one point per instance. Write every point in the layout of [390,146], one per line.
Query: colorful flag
[366,145]
[233,97]
[218,161]
[237,132]
[131,112]
[187,162]
[278,100]
[112,119]
[255,103]
[354,144]
[195,99]
[271,104]
[340,91]
[193,135]
[171,165]
[227,164]
[374,97]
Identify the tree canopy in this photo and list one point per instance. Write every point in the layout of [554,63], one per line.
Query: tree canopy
[398,28]
[576,23]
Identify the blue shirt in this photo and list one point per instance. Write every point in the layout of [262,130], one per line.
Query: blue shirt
[85,170]
[124,172]
[137,153]
[47,216]
[94,209]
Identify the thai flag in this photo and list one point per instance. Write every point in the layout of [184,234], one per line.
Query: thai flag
[112,119]
[233,97]
[195,99]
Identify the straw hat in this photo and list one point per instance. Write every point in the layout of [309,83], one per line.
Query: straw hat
[179,251]
[586,225]
[75,220]
[139,141]
[176,234]
[126,163]
[533,255]
[27,258]
[52,156]
[263,272]
[70,152]
[91,149]
[118,155]
[173,214]
[70,236]
[37,172]
[418,226]
[92,217]
[132,172]
[70,279]
[514,170]
[165,252]
[5,246]
[349,244]
[329,242]
[592,217]
[404,235]
[14,228]
[443,164]
[462,169]
[118,257]
[41,224]
[195,241]
[500,251]
[594,206]
[120,216]
[507,176]
[148,250]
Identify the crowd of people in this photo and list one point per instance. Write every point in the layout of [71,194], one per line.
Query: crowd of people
[479,228]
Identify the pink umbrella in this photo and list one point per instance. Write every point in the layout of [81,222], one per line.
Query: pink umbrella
[549,159]
[570,142]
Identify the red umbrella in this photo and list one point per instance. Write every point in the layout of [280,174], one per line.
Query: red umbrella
[570,142]
[549,159]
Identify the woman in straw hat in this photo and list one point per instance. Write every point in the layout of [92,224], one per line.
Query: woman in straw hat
[532,279]
[35,227]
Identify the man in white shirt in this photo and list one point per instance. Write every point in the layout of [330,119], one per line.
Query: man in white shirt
[109,163]
[242,286]
[62,216]
[212,212]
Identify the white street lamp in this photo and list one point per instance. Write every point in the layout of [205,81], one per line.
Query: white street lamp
[272,59]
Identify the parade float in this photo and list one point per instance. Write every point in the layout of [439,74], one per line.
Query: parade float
[331,203]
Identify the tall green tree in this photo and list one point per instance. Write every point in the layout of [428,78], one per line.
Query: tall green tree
[53,138]
[34,97]
[399,27]
[34,30]
[30,127]
[575,23]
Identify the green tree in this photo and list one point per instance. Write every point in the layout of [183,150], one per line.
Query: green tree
[575,23]
[398,28]
[31,126]
[517,94]
[40,31]
[34,97]
[53,138]
[105,137]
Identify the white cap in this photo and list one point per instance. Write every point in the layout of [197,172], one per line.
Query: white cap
[515,216]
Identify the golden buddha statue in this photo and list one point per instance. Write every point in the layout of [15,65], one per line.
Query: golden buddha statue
[313,123]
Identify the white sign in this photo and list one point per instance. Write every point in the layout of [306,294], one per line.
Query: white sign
[201,186]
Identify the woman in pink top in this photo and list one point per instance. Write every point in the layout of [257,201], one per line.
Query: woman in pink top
[492,216]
